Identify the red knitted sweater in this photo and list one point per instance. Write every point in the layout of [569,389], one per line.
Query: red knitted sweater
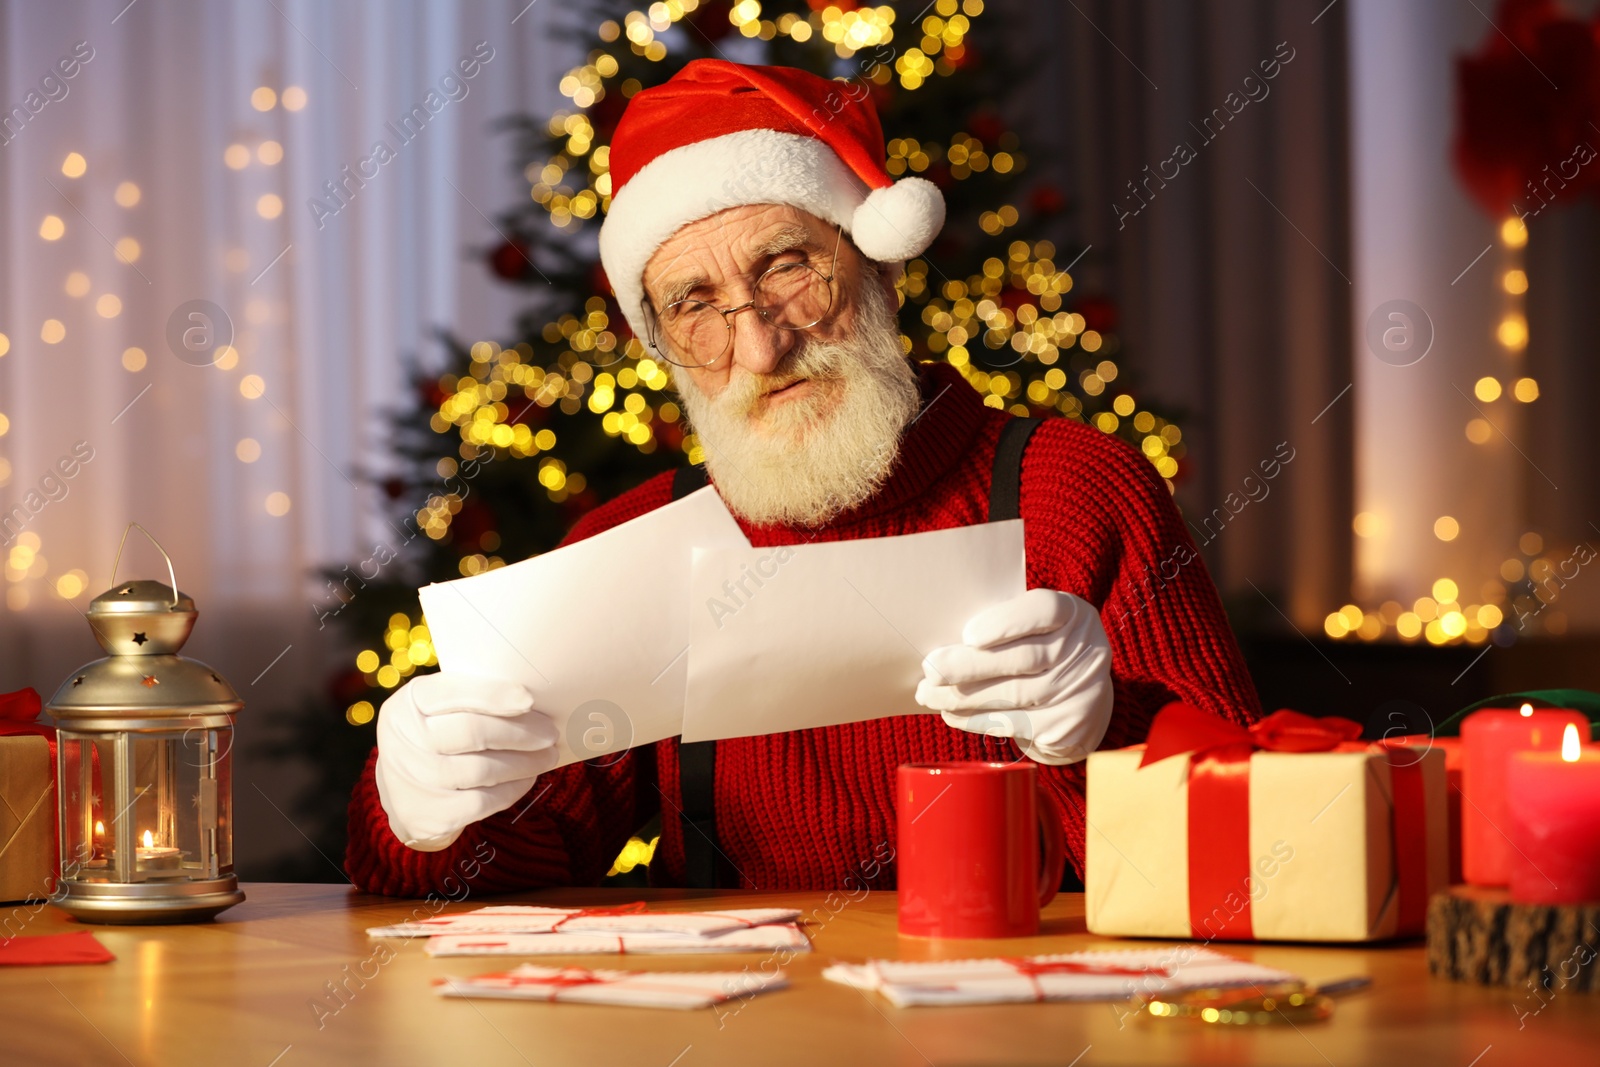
[804,810]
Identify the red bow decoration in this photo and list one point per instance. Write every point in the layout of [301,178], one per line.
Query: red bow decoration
[1179,729]
[18,711]
[1219,807]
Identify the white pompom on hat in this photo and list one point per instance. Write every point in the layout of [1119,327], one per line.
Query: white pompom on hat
[720,135]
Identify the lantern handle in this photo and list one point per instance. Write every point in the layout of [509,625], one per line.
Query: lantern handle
[123,544]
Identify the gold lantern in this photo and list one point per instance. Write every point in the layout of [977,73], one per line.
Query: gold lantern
[144,767]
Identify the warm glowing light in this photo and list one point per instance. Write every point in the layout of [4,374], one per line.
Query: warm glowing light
[248,450]
[77,283]
[127,249]
[277,504]
[133,359]
[236,156]
[1513,233]
[1487,389]
[108,306]
[263,98]
[1569,743]
[1446,528]
[270,206]
[127,194]
[1516,282]
[251,386]
[269,152]
[1525,390]
[1513,332]
[5,344]
[294,98]
[1444,590]
[1526,711]
[52,228]
[99,828]
[74,165]
[52,332]
[149,839]
[1479,431]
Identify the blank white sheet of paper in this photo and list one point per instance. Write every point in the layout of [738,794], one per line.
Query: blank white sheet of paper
[821,634]
[598,631]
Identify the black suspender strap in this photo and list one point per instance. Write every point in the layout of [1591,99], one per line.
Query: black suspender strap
[686,480]
[1005,485]
[697,765]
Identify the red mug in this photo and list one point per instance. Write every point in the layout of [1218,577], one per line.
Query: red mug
[968,857]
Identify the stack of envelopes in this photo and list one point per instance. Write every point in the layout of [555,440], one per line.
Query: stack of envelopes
[525,930]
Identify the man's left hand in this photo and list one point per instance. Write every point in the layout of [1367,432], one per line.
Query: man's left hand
[1036,668]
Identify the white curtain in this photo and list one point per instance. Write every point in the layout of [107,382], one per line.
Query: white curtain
[200,132]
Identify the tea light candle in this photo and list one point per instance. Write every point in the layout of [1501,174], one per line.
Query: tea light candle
[1490,737]
[1555,824]
[150,857]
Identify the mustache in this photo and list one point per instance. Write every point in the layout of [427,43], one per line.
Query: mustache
[817,361]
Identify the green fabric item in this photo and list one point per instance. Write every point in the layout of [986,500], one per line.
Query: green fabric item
[1581,700]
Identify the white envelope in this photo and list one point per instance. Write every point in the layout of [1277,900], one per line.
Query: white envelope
[597,630]
[821,634]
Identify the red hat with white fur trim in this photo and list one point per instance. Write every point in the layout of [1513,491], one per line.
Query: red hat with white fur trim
[720,135]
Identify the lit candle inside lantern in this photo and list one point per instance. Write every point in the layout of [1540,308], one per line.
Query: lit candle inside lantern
[153,858]
[97,847]
[1555,824]
[1491,737]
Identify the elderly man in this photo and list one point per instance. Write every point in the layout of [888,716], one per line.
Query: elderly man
[754,240]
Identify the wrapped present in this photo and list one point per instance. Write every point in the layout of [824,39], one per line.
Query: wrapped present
[1291,830]
[28,860]
[1454,757]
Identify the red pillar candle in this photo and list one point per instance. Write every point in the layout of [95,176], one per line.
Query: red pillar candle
[1490,737]
[1555,824]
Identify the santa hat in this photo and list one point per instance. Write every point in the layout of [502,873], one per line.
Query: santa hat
[720,135]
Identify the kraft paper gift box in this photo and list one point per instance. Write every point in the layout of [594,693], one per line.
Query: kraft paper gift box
[1290,831]
[27,800]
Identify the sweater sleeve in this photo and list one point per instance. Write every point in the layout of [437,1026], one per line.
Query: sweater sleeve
[565,831]
[1100,523]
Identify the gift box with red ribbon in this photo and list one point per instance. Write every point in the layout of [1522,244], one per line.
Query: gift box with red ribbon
[1291,830]
[27,799]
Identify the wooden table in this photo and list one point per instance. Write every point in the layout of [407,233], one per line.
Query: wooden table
[243,991]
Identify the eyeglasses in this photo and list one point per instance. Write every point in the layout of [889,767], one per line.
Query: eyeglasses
[790,296]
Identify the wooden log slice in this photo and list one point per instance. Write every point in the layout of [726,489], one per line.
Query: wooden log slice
[1479,935]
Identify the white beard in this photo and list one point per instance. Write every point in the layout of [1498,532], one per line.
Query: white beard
[800,465]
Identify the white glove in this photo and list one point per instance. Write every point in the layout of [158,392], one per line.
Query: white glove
[1036,668]
[455,748]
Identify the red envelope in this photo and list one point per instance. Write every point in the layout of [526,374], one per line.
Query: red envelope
[54,949]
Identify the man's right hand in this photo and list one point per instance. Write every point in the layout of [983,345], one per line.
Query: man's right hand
[456,748]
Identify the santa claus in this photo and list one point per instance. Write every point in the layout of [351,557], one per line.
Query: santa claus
[754,240]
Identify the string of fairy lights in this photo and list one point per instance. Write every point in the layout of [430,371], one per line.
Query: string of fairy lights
[1449,612]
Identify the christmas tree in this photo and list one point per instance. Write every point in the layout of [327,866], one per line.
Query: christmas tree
[513,441]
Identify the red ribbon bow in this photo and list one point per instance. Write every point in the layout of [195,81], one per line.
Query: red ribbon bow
[1219,809]
[1179,729]
[18,711]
